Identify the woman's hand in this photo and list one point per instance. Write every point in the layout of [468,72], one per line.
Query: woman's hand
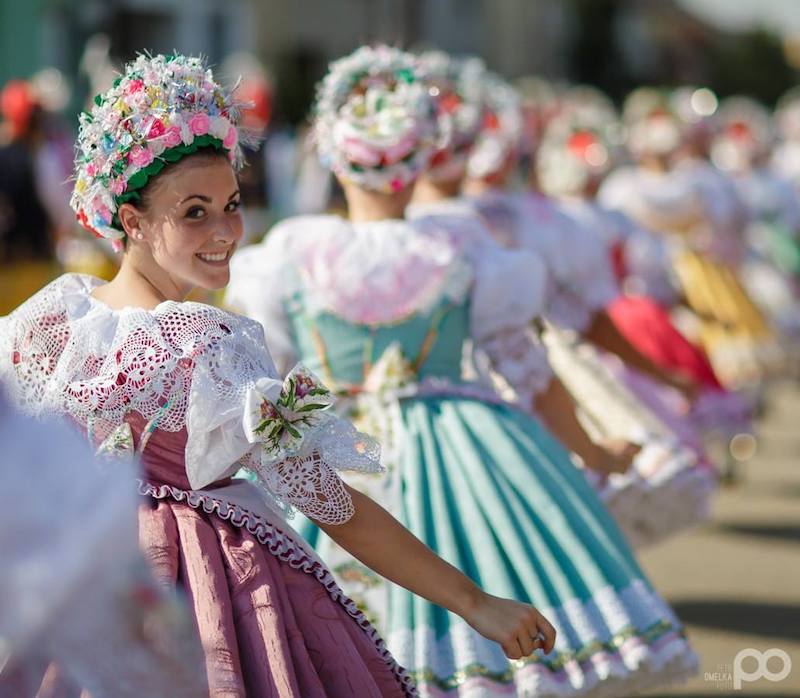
[517,627]
[613,456]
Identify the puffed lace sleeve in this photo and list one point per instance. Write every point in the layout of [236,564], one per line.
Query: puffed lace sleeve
[582,279]
[508,296]
[258,288]
[283,432]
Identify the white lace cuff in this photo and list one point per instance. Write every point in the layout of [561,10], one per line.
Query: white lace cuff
[302,445]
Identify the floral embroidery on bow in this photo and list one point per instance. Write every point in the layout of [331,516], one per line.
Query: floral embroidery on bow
[280,415]
[117,445]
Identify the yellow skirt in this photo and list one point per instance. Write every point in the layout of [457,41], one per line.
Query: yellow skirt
[738,339]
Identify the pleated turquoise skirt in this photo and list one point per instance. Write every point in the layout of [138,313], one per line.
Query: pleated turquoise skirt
[492,492]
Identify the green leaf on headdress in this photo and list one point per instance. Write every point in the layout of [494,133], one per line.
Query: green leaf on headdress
[117,82]
[406,75]
[128,196]
[138,180]
[98,100]
[172,155]
[87,116]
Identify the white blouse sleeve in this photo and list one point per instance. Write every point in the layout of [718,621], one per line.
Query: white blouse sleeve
[258,289]
[666,204]
[508,295]
[581,277]
[241,414]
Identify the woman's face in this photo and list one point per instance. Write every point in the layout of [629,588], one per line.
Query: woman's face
[192,222]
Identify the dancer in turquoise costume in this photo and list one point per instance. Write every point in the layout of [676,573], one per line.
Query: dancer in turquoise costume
[383,309]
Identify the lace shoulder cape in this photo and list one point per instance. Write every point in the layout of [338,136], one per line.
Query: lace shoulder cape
[381,272]
[181,365]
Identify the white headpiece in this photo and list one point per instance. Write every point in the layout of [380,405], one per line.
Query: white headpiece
[374,121]
[787,115]
[579,144]
[651,123]
[161,109]
[456,85]
[501,131]
[745,133]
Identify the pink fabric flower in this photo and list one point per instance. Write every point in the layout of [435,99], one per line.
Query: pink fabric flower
[117,186]
[172,136]
[134,86]
[230,139]
[397,184]
[361,153]
[399,150]
[156,129]
[103,211]
[200,123]
[139,156]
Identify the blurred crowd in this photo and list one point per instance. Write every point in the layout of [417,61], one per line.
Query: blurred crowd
[669,227]
[572,138]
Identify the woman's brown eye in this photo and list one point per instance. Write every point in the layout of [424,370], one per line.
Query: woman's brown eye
[233,206]
[195,212]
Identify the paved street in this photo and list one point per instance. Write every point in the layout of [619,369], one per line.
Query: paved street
[736,581]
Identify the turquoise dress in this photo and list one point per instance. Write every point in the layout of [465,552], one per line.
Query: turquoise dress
[391,313]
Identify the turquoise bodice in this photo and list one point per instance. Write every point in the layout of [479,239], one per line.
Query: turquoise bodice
[342,352]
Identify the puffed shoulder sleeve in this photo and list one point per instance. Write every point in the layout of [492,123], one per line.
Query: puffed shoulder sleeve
[509,293]
[284,432]
[258,289]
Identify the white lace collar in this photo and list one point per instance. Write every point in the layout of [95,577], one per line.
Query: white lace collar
[367,273]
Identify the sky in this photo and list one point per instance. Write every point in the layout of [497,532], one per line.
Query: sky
[782,16]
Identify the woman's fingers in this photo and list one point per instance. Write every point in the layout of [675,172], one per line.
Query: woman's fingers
[513,650]
[549,633]
[526,639]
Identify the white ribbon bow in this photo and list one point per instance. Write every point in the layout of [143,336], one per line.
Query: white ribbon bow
[282,415]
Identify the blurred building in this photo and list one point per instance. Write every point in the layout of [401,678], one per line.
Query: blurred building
[39,33]
[615,44]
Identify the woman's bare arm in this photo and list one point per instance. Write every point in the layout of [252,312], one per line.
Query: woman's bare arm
[378,540]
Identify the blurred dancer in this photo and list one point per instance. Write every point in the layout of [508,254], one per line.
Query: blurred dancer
[577,153]
[668,488]
[672,190]
[78,606]
[383,308]
[771,270]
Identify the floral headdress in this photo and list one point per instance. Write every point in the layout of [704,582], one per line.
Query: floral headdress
[160,110]
[787,115]
[501,130]
[456,85]
[745,132]
[374,121]
[580,144]
[653,126]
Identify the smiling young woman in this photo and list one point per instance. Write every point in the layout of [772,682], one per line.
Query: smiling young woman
[192,392]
